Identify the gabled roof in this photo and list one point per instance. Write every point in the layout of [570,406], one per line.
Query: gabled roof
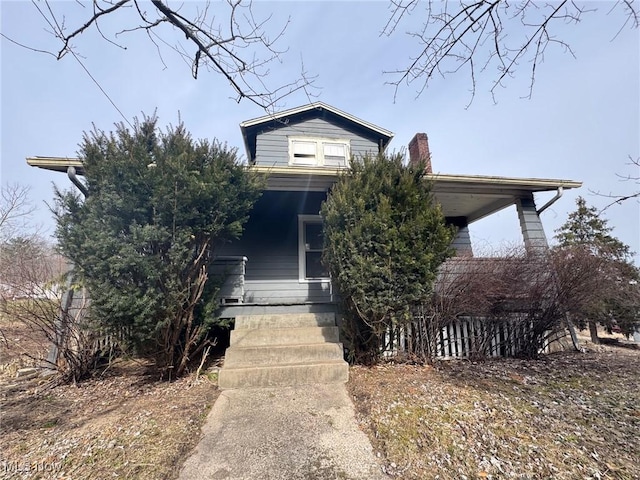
[251,128]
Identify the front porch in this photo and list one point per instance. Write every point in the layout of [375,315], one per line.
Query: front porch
[275,267]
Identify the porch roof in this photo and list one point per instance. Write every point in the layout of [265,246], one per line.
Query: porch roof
[56,164]
[469,196]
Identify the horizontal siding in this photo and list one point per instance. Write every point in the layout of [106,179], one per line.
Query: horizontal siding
[272,147]
[270,244]
[263,266]
[280,287]
[266,292]
[361,147]
[272,267]
[264,263]
[530,223]
[316,127]
[229,275]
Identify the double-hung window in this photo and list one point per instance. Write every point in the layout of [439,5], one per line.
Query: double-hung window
[321,152]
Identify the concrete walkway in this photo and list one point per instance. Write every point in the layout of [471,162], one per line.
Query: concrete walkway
[306,432]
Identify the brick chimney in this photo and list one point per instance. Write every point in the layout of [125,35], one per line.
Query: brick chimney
[419,151]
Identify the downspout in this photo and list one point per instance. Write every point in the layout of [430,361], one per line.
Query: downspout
[63,319]
[552,201]
[567,318]
[71,173]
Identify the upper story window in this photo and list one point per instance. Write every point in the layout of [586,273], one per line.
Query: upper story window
[320,152]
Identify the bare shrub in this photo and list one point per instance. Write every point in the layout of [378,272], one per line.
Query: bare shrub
[37,294]
[508,305]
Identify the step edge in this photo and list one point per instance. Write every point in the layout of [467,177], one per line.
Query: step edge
[282,346]
[338,362]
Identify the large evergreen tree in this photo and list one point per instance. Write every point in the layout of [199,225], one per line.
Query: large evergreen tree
[385,238]
[158,205]
[585,227]
[617,301]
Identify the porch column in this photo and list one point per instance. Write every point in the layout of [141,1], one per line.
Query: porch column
[462,240]
[530,224]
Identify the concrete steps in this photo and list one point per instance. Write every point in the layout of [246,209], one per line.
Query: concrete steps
[282,354]
[283,350]
[297,320]
[283,336]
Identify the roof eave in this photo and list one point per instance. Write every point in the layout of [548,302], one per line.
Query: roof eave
[482,181]
[534,184]
[55,164]
[441,181]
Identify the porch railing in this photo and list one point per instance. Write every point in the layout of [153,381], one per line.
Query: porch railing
[229,272]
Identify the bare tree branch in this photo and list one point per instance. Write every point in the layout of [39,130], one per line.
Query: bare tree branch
[37,50]
[526,296]
[499,35]
[97,13]
[15,210]
[633,178]
[237,48]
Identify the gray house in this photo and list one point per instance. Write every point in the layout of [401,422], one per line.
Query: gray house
[302,150]
[276,288]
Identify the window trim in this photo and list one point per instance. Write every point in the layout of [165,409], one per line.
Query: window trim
[319,157]
[302,251]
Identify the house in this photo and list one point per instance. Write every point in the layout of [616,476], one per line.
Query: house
[275,268]
[302,150]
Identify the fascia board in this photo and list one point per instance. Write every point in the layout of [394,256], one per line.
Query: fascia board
[446,182]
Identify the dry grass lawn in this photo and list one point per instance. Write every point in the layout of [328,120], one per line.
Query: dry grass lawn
[123,423]
[567,416]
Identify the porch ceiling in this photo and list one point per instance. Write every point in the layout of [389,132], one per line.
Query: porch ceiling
[472,206]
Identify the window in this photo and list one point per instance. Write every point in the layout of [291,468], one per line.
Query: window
[310,243]
[335,154]
[304,153]
[318,152]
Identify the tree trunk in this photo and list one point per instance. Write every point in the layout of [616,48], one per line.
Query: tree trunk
[572,332]
[593,330]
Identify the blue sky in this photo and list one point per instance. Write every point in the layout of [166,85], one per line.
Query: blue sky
[582,122]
